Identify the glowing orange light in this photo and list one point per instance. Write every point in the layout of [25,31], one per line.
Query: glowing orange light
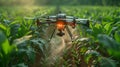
[60,25]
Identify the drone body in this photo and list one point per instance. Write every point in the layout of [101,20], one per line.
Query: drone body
[62,21]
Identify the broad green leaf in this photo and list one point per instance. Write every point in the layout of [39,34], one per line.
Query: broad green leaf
[40,42]
[98,26]
[110,44]
[6,47]
[13,23]
[5,29]
[4,44]
[6,21]
[117,36]
[30,53]
[108,41]
[108,28]
[106,62]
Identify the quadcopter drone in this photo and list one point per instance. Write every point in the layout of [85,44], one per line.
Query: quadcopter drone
[62,21]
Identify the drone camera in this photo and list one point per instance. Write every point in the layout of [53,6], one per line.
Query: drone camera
[60,33]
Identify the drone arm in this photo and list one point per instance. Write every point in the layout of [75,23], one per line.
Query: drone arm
[83,22]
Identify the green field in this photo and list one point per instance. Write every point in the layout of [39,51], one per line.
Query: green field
[24,44]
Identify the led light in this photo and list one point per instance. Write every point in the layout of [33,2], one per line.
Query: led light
[60,25]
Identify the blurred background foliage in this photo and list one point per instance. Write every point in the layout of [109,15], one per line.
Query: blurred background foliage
[62,2]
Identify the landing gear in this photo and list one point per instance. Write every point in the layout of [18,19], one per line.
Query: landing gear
[60,33]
